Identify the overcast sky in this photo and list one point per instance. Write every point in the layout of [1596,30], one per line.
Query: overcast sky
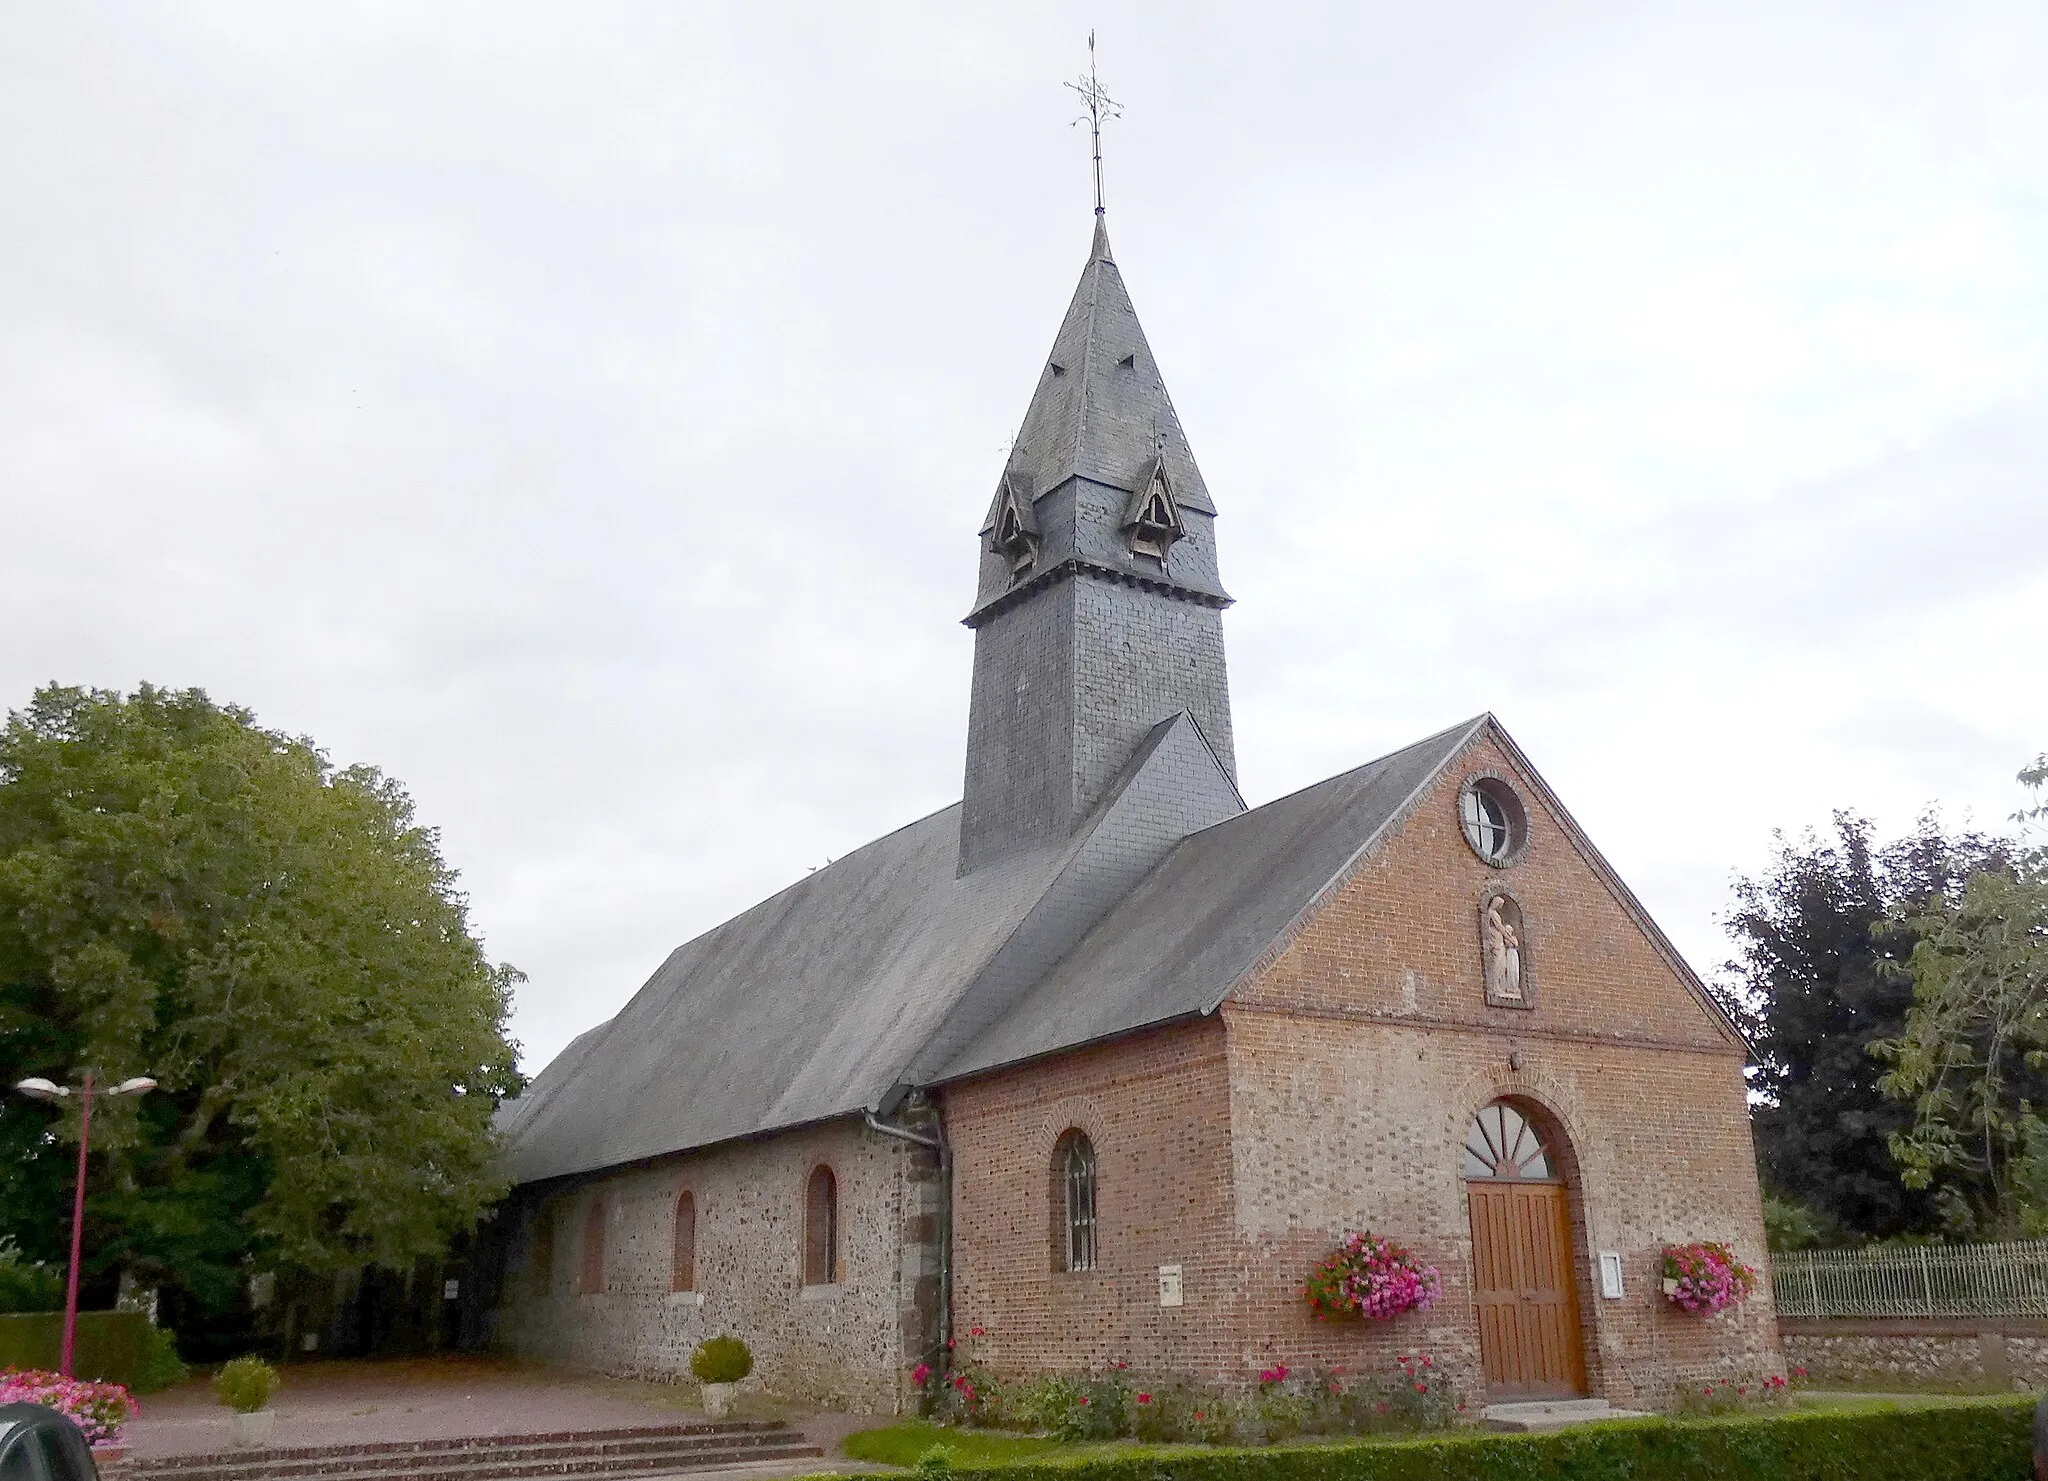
[584,412]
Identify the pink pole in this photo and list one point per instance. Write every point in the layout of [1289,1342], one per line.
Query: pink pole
[77,1229]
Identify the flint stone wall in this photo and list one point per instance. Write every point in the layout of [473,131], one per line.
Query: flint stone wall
[1999,1353]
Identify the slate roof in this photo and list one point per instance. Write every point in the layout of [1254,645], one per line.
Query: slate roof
[819,1000]
[1178,943]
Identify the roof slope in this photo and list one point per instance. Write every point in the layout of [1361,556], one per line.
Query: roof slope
[1185,936]
[817,1001]
[804,1007]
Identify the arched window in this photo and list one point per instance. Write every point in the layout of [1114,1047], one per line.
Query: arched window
[543,1269]
[683,1270]
[593,1248]
[1073,1167]
[1500,1143]
[821,1228]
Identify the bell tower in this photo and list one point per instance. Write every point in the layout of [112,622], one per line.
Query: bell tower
[1099,609]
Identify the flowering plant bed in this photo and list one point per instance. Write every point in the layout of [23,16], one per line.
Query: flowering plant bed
[98,1409]
[1705,1278]
[1369,1276]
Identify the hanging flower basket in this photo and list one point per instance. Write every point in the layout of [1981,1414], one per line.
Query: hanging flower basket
[1705,1278]
[1369,1276]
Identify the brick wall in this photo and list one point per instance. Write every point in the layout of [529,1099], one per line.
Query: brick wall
[843,1346]
[1156,1109]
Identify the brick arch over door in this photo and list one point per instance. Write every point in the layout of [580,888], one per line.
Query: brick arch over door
[1528,1284]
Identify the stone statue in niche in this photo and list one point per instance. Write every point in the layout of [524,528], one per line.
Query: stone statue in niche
[1504,952]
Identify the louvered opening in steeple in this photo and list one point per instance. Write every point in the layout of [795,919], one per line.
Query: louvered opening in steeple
[1015,536]
[1153,521]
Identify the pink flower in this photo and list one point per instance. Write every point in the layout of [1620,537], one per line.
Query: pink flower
[920,1373]
[1144,1398]
[976,1332]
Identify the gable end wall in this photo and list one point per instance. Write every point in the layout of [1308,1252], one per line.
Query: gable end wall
[1360,1050]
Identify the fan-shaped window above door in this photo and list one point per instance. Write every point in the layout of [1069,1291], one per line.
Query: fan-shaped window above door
[1500,1143]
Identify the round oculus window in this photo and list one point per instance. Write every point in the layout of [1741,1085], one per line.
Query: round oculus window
[1494,822]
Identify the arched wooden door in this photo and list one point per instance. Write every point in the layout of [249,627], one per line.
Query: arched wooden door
[1522,1276]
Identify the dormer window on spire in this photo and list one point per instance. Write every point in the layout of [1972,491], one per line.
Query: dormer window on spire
[1153,522]
[1015,536]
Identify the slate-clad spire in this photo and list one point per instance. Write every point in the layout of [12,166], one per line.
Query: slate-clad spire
[1097,612]
[1101,413]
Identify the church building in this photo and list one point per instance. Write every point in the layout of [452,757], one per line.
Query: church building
[1097,1063]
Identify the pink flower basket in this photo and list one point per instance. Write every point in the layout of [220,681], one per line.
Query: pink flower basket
[98,1409]
[1705,1278]
[1369,1276]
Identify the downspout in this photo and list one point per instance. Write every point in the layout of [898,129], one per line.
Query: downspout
[939,1145]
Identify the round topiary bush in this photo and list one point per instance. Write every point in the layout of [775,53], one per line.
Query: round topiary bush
[246,1384]
[721,1359]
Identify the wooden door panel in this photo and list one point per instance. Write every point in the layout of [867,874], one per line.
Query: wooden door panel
[1522,1282]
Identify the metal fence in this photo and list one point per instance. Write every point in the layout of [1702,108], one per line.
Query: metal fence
[1926,1281]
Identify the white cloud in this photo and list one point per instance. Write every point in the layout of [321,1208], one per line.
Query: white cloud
[585,414]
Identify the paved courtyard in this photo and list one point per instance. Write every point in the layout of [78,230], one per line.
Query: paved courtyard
[349,1403]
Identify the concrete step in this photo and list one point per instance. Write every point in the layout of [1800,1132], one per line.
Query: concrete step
[1551,1414]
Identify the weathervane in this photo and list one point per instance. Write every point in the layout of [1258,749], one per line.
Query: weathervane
[1100,106]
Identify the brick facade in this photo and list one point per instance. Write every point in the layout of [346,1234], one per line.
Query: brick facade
[1332,1092]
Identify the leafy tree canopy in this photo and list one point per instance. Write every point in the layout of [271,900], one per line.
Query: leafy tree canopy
[1819,979]
[186,895]
[1973,1054]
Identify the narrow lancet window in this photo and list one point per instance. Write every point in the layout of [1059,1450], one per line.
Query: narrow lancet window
[593,1248]
[821,1228]
[683,1270]
[1074,1177]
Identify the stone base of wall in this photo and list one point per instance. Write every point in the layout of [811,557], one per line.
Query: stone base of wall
[1990,1353]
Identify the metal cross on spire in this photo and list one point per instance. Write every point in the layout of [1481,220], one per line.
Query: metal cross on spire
[1101,107]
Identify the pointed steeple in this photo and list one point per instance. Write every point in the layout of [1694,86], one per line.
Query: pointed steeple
[1101,414]
[1098,609]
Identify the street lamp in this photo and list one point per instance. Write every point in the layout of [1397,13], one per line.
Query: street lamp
[37,1088]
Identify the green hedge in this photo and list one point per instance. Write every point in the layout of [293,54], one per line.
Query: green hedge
[1979,1441]
[110,1343]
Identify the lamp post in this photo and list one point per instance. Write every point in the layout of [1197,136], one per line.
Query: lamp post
[41,1089]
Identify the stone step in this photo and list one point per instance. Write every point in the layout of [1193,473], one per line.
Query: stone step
[692,1429]
[1551,1414]
[618,1468]
[496,1458]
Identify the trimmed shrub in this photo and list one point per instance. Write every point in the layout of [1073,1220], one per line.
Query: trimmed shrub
[246,1384]
[1987,1440]
[721,1359]
[109,1343]
[157,1364]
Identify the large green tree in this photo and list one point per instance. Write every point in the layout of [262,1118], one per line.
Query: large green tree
[1820,978]
[1974,1047]
[187,895]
